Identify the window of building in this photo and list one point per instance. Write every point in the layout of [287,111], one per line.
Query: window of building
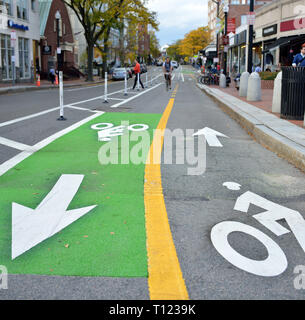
[235,1]
[24,58]
[6,7]
[22,9]
[6,57]
[243,20]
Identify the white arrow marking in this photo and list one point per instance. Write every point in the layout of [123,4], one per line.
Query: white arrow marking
[30,227]
[211,136]
[232,186]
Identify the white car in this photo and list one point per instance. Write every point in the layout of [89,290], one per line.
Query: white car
[175,64]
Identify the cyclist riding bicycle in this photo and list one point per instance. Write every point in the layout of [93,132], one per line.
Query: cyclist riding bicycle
[167,70]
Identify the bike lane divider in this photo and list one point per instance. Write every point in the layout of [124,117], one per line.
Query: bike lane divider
[107,235]
[165,278]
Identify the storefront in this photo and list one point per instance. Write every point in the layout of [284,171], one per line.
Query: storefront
[280,31]
[19,40]
[237,51]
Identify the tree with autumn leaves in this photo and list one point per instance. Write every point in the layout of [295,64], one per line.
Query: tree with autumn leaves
[98,17]
[193,42]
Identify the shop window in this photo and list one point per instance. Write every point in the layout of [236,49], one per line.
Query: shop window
[6,7]
[33,5]
[24,58]
[6,57]
[22,9]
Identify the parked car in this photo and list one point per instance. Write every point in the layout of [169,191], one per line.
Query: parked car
[119,74]
[175,64]
[159,63]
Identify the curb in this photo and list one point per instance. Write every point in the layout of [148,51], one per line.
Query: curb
[35,88]
[284,147]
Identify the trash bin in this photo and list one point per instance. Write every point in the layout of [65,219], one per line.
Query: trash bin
[293,93]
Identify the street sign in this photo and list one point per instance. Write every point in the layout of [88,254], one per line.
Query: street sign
[251,18]
[231,26]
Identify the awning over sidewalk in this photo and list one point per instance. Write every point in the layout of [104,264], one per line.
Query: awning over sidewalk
[283,42]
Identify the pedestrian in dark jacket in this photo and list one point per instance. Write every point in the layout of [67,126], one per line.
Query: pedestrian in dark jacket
[299,59]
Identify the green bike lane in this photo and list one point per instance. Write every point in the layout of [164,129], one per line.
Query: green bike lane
[110,239]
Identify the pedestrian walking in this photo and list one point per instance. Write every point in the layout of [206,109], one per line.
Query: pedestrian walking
[137,71]
[52,75]
[299,59]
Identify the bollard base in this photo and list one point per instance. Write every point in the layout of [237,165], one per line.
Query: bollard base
[105,101]
[62,118]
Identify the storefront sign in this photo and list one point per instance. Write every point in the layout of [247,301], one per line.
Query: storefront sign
[231,27]
[46,50]
[290,25]
[13,25]
[270,30]
[242,37]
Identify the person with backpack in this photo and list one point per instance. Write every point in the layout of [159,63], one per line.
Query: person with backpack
[137,72]
[299,59]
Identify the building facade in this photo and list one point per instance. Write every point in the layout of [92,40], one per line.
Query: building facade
[50,58]
[280,32]
[19,35]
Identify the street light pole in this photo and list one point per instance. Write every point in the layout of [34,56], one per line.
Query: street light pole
[57,17]
[226,10]
[218,4]
[250,47]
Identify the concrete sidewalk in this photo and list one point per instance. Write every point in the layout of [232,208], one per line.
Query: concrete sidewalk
[283,137]
[45,84]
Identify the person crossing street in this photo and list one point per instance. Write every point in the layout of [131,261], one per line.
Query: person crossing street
[137,71]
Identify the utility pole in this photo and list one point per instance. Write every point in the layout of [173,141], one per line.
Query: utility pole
[250,47]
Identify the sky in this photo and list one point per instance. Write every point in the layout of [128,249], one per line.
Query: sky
[178,17]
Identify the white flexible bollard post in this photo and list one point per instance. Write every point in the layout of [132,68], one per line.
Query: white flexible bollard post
[106,89]
[277,94]
[138,82]
[146,82]
[61,97]
[222,81]
[125,92]
[254,87]
[243,84]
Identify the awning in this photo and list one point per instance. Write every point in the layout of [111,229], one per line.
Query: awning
[284,41]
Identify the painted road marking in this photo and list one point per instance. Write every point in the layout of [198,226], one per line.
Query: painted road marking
[132,98]
[276,263]
[3,124]
[106,131]
[211,136]
[165,277]
[232,186]
[109,242]
[9,164]
[14,144]
[80,108]
[31,227]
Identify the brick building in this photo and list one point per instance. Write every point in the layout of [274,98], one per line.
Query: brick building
[143,42]
[48,34]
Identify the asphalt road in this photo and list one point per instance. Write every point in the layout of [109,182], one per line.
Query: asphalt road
[195,204]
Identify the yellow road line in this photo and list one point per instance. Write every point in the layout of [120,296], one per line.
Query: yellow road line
[165,279]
